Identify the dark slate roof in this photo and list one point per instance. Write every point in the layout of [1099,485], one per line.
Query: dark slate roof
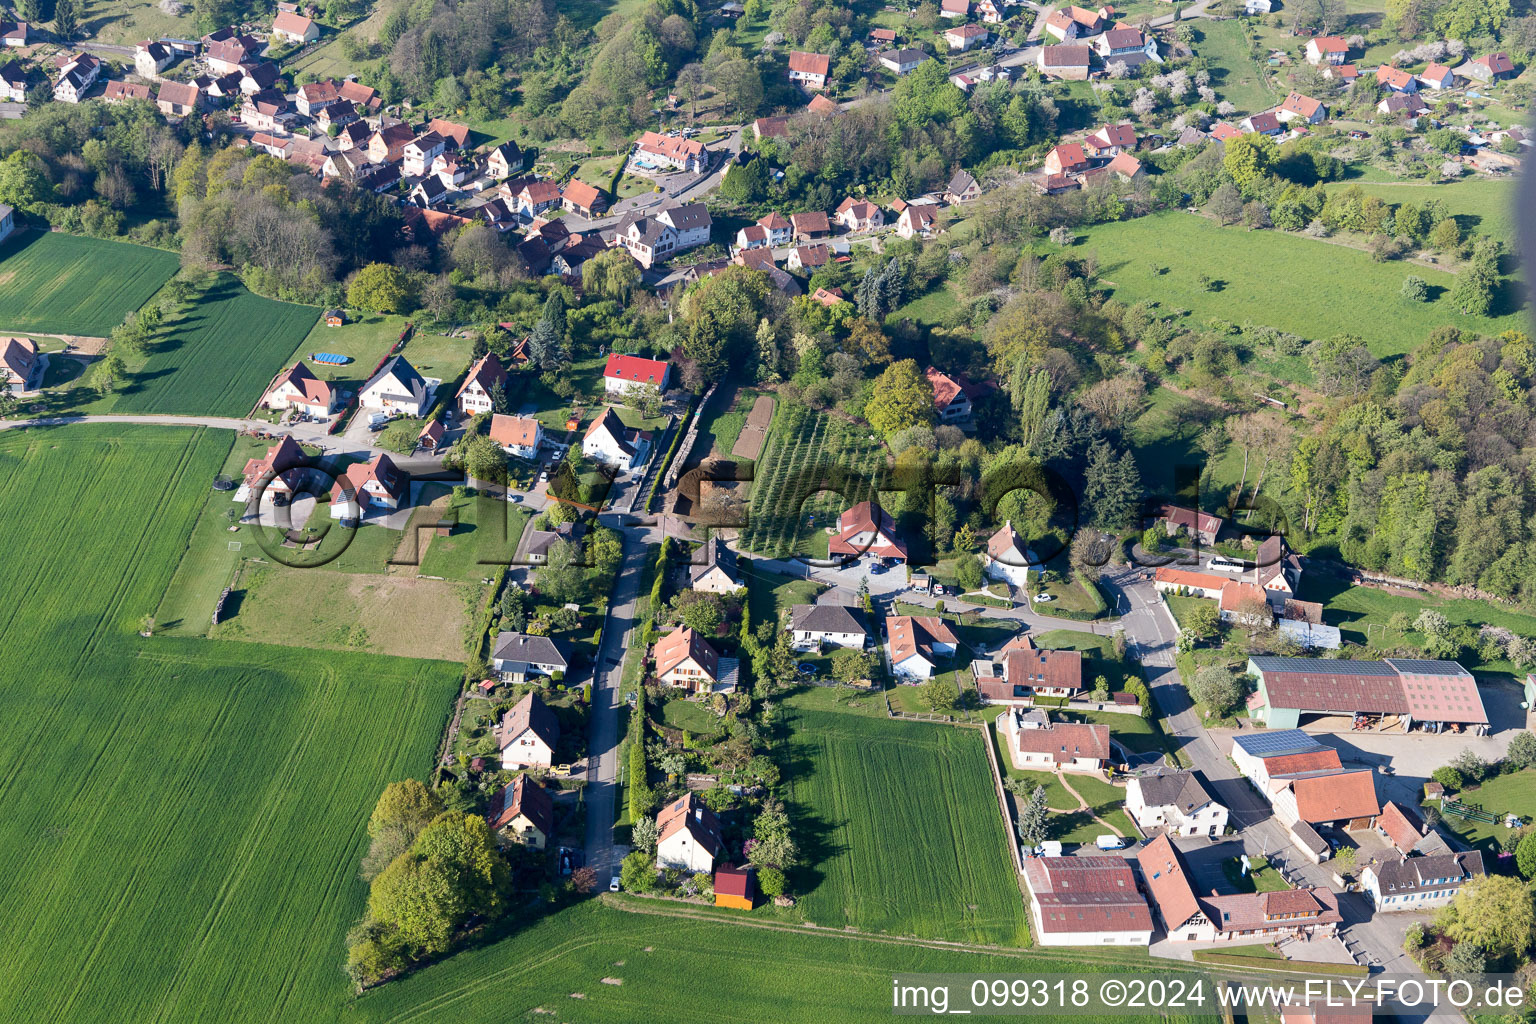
[715,553]
[532,650]
[403,372]
[1173,789]
[826,618]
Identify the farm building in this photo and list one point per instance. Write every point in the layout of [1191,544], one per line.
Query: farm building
[1395,693]
[1086,901]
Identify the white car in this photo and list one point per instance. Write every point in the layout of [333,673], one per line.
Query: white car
[613,884]
[1042,598]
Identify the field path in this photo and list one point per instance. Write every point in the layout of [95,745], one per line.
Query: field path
[1083,805]
[308,433]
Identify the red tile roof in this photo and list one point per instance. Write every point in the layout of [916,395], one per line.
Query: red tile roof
[1498,63]
[689,812]
[1065,741]
[1321,798]
[522,431]
[1402,827]
[458,134]
[1298,764]
[1086,894]
[867,517]
[1306,106]
[636,369]
[732,881]
[1162,866]
[916,634]
[679,645]
[314,390]
[582,194]
[809,63]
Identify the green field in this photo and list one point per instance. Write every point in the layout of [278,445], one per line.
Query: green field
[367,341]
[857,784]
[594,965]
[1234,75]
[64,284]
[183,818]
[219,356]
[1481,205]
[1264,274]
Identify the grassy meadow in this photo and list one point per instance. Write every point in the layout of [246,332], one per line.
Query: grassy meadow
[65,284]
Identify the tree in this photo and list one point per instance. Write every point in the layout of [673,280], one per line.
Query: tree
[451,871]
[107,374]
[1472,293]
[1415,289]
[638,872]
[1472,767]
[479,456]
[644,834]
[1034,816]
[771,882]
[1249,158]
[939,694]
[1226,203]
[408,805]
[1525,852]
[902,398]
[1446,235]
[1448,777]
[546,345]
[1205,620]
[1494,913]
[66,19]
[1215,689]
[703,614]
[1344,859]
[378,288]
[1112,486]
[772,845]
[968,572]
[612,273]
[1522,750]
[561,577]
[849,664]
[24,182]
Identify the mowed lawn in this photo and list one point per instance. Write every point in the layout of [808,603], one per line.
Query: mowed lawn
[1481,205]
[184,818]
[217,358]
[899,830]
[64,284]
[591,964]
[1290,282]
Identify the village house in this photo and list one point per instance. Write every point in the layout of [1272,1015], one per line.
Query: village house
[1065,61]
[1265,123]
[990,11]
[780,230]
[177,99]
[517,435]
[1277,568]
[283,468]
[1242,917]
[1487,69]
[686,660]
[579,197]
[1109,141]
[76,78]
[1066,158]
[151,57]
[113,92]
[900,62]
[1305,108]
[1125,45]
[1086,901]
[569,260]
[951,9]
[387,145]
[365,98]
[826,624]
[505,160]
[397,388]
[529,731]
[259,77]
[1396,79]
[7,221]
[753,236]
[1408,833]
[1173,802]
[654,150]
[518,656]
[1406,105]
[964,37]
[298,388]
[716,572]
[962,188]
[1306,785]
[952,394]
[809,70]
[1179,521]
[538,197]
[313,97]
[13,33]
[656,239]
[915,644]
[455,136]
[1007,557]
[1437,76]
[1073,22]
[265,112]
[610,442]
[771,128]
[523,812]
[475,394]
[916,221]
[810,226]
[688,835]
[1019,672]
[292,27]
[808,257]
[449,166]
[828,297]
[417,155]
[227,50]
[1053,746]
[1419,883]
[624,373]
[1329,49]
[859,215]
[19,364]
[1345,74]
[13,83]
[1244,604]
[866,528]
[369,488]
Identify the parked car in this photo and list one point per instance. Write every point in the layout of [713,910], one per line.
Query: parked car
[613,884]
[877,569]
[1043,597]
[1107,842]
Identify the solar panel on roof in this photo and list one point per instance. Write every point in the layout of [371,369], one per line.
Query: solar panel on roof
[1312,666]
[1274,744]
[1425,667]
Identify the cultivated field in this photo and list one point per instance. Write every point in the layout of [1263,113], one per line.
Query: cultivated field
[183,817]
[797,479]
[599,965]
[64,284]
[857,784]
[1258,272]
[397,615]
[219,356]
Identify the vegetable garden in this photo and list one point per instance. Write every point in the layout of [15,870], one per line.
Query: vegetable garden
[806,451]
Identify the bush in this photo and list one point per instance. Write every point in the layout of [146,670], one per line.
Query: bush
[1448,777]
[771,882]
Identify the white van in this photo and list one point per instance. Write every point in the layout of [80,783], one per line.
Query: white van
[1049,848]
[1110,842]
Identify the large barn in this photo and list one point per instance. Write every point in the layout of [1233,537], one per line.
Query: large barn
[1395,693]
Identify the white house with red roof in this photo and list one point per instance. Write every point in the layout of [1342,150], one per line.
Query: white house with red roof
[1437,76]
[283,463]
[688,835]
[1007,557]
[866,529]
[292,27]
[298,388]
[517,435]
[1086,901]
[1305,108]
[369,488]
[916,221]
[1331,49]
[623,373]
[1066,158]
[915,644]
[952,394]
[19,363]
[966,37]
[1108,141]
[1054,746]
[809,69]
